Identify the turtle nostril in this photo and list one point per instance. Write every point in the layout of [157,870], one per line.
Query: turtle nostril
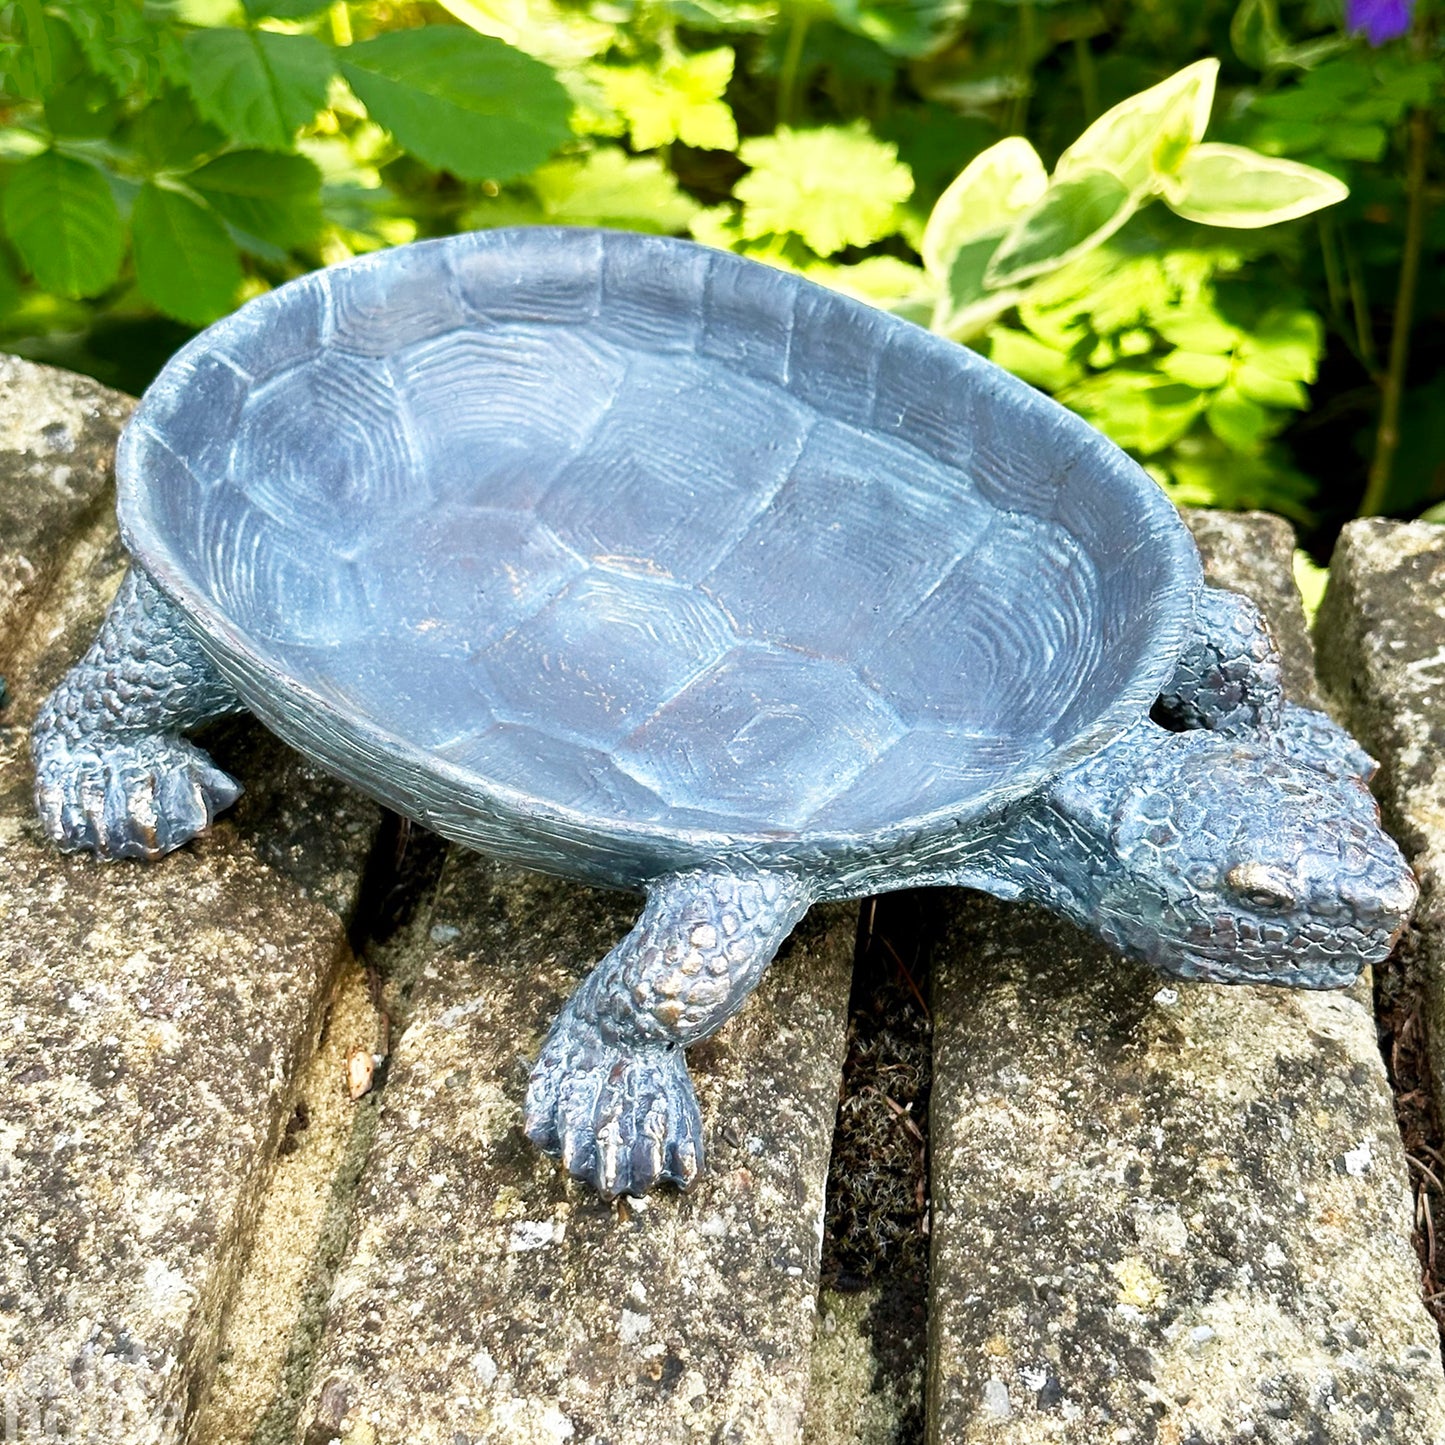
[1390,902]
[1404,896]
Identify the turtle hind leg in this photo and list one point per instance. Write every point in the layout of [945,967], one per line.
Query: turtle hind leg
[112,772]
[610,1092]
[1229,677]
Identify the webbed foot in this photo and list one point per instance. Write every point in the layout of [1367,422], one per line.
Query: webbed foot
[136,796]
[622,1119]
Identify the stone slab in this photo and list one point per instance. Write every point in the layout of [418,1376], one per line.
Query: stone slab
[1165,1213]
[486,1298]
[152,1021]
[1381,638]
[57,442]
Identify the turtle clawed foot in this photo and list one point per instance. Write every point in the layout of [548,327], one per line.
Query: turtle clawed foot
[127,797]
[622,1119]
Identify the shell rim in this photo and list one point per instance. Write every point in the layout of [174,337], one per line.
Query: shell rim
[241,661]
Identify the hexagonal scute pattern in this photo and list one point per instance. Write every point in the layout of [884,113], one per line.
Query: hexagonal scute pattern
[461,578]
[675,497]
[928,769]
[601,656]
[400,682]
[654,533]
[380,305]
[839,597]
[767,736]
[326,448]
[497,414]
[278,583]
[534,761]
[1003,642]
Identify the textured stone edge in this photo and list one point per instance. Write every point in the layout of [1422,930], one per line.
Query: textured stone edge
[540,1310]
[1250,554]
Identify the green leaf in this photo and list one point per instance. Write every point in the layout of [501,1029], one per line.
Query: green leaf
[169,135]
[679,100]
[988,195]
[461,102]
[964,283]
[1270,390]
[84,108]
[1277,137]
[1138,409]
[259,87]
[1073,216]
[276,198]
[1256,35]
[184,260]
[1203,471]
[1199,329]
[557,34]
[909,28]
[1150,132]
[1286,344]
[1356,141]
[284,9]
[1239,422]
[1225,185]
[121,43]
[9,286]
[879,280]
[611,188]
[1039,365]
[1203,370]
[833,186]
[62,219]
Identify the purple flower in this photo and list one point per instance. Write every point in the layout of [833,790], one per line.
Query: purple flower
[1381,20]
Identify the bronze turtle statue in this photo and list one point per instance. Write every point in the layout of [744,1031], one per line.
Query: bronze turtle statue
[647,565]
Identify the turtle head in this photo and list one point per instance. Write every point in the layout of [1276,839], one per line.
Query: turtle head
[1238,863]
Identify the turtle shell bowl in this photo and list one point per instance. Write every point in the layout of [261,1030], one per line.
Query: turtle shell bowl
[592,536]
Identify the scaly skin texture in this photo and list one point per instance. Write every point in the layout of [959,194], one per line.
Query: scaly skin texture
[610,1092]
[1228,678]
[112,773]
[1232,860]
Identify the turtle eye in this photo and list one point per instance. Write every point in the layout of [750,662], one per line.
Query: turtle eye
[1261,885]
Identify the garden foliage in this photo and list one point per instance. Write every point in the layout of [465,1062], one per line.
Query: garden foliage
[1170,214]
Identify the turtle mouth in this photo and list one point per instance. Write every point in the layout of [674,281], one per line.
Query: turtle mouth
[1319,952]
[1213,939]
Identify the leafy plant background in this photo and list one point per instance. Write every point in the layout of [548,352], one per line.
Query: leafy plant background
[1209,226]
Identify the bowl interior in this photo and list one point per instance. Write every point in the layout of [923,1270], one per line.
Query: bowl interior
[646,532]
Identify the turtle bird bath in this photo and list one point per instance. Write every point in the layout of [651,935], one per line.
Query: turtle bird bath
[646,565]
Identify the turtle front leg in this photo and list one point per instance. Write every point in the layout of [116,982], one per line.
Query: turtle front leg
[112,772]
[1229,678]
[610,1092]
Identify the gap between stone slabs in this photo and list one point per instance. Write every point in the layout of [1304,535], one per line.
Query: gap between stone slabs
[1165,1213]
[268,1322]
[486,1298]
[871,1342]
[152,1022]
